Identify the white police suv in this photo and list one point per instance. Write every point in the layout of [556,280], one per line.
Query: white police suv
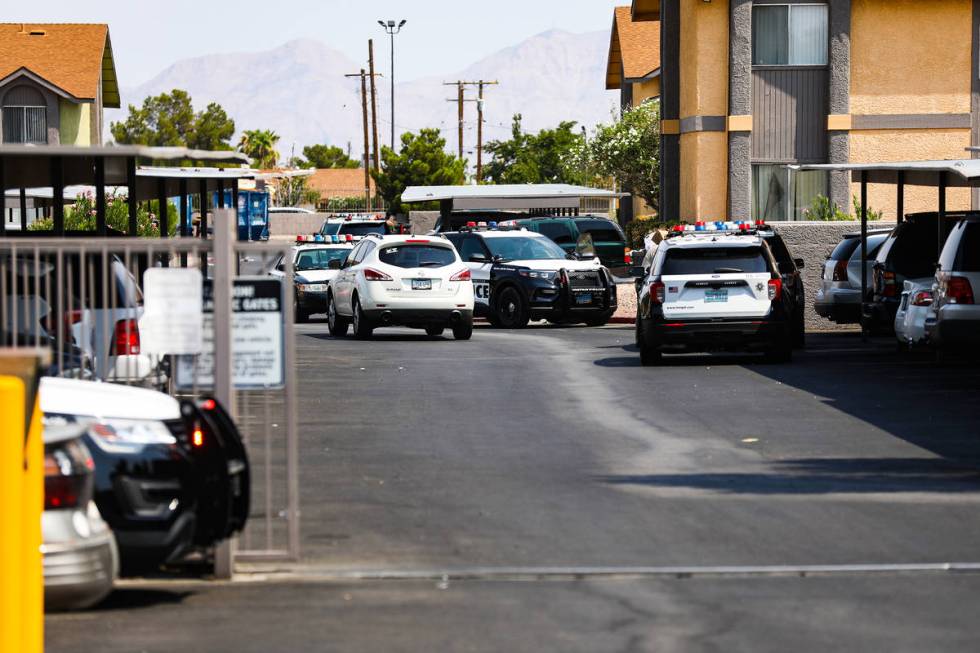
[713,286]
[519,275]
[414,281]
[315,265]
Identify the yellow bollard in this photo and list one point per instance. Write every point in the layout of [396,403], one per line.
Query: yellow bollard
[21,503]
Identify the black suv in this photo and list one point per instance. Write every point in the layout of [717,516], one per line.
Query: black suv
[794,292]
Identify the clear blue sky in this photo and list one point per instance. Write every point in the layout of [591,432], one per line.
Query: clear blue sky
[440,35]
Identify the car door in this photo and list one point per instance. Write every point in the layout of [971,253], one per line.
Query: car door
[477,258]
[344,284]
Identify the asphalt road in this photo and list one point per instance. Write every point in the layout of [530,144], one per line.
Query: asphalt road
[554,483]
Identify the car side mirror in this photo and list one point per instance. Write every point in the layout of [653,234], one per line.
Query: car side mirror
[800,263]
[637,271]
[478,258]
[281,267]
[334,264]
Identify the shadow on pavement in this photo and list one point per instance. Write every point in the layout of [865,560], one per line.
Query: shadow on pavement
[826,476]
[126,598]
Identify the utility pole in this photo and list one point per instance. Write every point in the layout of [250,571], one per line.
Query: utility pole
[460,100]
[374,106]
[367,141]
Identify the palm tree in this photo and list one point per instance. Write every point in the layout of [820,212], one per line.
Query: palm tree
[260,145]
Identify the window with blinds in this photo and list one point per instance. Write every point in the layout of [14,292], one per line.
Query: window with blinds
[790,35]
[25,116]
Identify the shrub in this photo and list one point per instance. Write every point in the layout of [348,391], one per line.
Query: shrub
[823,210]
[81,216]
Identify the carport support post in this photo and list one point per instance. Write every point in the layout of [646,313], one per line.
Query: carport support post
[182,217]
[941,222]
[3,200]
[864,245]
[203,224]
[224,391]
[58,197]
[23,209]
[133,205]
[900,200]
[100,226]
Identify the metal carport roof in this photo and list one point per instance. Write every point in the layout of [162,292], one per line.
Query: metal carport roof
[959,172]
[507,196]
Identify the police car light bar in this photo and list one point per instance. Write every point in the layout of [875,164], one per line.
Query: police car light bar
[718,226]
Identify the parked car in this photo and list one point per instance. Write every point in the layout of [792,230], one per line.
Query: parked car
[418,282]
[312,274]
[914,309]
[957,314]
[81,561]
[168,478]
[590,235]
[909,253]
[794,292]
[839,296]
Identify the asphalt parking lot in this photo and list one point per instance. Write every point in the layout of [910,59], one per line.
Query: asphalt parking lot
[534,490]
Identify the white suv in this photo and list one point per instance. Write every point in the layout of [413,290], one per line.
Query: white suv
[957,321]
[418,282]
[713,289]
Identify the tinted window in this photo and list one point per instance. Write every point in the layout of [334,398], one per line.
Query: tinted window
[968,255]
[471,245]
[601,230]
[524,248]
[417,256]
[845,249]
[874,246]
[361,228]
[779,250]
[713,260]
[319,259]
[330,228]
[914,250]
[556,231]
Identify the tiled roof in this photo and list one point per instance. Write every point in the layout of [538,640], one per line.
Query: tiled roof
[339,182]
[70,57]
[634,48]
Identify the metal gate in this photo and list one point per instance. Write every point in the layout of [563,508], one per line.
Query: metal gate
[82,298]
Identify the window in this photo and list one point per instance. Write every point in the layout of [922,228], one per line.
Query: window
[789,35]
[471,245]
[713,260]
[417,256]
[602,231]
[556,231]
[25,116]
[782,194]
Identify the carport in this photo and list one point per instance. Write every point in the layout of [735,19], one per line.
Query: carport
[47,171]
[535,199]
[941,175]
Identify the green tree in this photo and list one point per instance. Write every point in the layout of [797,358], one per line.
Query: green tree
[260,146]
[169,119]
[627,150]
[422,161]
[213,129]
[327,156]
[534,158]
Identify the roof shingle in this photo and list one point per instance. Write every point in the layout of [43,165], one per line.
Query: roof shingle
[634,48]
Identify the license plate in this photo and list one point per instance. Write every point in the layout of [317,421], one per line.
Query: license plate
[583,299]
[715,296]
[421,284]
[317,287]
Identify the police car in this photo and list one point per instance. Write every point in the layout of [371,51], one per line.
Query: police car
[714,286]
[313,272]
[519,275]
[357,225]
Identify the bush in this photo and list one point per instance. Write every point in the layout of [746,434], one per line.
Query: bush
[81,216]
[637,228]
[823,210]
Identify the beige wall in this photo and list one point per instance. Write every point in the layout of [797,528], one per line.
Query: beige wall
[910,56]
[904,145]
[704,175]
[76,123]
[645,90]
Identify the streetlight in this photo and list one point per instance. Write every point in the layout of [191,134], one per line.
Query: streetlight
[392,28]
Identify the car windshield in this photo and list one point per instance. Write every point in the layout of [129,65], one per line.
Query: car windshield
[330,228]
[361,228]
[319,259]
[600,230]
[713,260]
[417,256]
[524,248]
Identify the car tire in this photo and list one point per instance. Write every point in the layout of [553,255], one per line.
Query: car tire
[781,351]
[650,354]
[362,327]
[463,330]
[510,309]
[434,330]
[301,316]
[601,320]
[336,325]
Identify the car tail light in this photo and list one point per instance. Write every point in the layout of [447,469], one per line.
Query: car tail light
[840,270]
[67,475]
[126,339]
[959,291]
[197,436]
[462,275]
[627,256]
[888,287]
[775,289]
[373,275]
[657,292]
[921,298]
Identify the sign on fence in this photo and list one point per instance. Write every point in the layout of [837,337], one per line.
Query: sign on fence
[258,345]
[173,302]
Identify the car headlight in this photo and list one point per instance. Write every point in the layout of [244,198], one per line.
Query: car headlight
[128,435]
[539,274]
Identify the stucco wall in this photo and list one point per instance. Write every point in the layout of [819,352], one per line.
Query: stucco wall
[76,123]
[422,221]
[704,58]
[909,56]
[645,90]
[812,241]
[704,175]
[290,225]
[904,145]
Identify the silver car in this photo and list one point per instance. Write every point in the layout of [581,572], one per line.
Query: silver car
[839,296]
[80,557]
[914,309]
[957,321]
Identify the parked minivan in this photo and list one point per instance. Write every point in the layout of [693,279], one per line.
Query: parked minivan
[957,282]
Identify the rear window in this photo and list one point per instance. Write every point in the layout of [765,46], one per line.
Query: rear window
[713,260]
[361,229]
[417,256]
[968,254]
[556,231]
[601,231]
[845,248]
[914,249]
[874,246]
[778,249]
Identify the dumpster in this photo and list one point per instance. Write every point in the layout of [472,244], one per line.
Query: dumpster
[253,213]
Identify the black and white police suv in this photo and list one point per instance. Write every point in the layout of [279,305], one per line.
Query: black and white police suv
[519,275]
[714,287]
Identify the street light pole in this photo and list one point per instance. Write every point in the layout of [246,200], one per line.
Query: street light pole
[392,28]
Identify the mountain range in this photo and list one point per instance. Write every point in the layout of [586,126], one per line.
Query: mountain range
[299,90]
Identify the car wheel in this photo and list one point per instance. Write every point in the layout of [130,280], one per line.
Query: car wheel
[463,330]
[511,310]
[599,320]
[434,330]
[650,354]
[335,323]
[781,351]
[362,327]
